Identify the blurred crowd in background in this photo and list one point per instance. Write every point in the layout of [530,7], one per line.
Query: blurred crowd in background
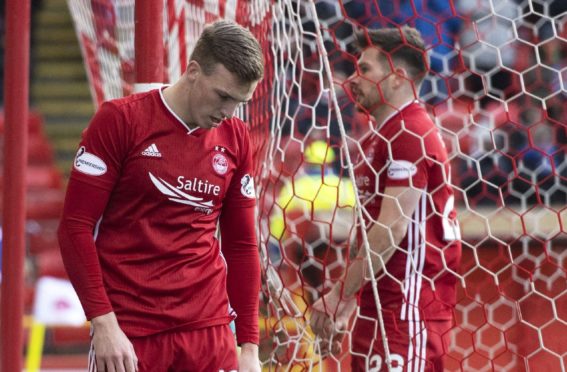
[496,88]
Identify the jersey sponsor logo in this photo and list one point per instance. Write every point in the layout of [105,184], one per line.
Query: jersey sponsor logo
[176,195]
[363,184]
[197,185]
[220,164]
[152,150]
[88,163]
[401,170]
[247,188]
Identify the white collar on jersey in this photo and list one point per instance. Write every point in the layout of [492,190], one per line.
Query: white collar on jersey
[396,112]
[189,130]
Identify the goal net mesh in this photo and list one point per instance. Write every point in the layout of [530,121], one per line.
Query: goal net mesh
[496,89]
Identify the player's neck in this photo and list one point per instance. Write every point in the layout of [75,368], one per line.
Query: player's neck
[385,111]
[173,97]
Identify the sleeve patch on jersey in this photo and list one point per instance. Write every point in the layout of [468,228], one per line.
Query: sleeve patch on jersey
[401,170]
[88,163]
[247,188]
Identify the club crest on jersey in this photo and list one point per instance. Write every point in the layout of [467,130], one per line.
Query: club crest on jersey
[88,163]
[401,170]
[220,162]
[247,188]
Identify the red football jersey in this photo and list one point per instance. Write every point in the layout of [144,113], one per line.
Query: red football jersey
[161,262]
[419,280]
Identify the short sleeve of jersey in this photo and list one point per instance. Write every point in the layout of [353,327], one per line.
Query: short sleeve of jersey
[241,191]
[407,160]
[102,148]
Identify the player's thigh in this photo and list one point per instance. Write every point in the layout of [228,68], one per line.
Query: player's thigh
[154,352]
[368,352]
[152,355]
[412,346]
[206,349]
[438,339]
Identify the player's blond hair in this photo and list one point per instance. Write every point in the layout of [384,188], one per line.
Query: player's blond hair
[231,45]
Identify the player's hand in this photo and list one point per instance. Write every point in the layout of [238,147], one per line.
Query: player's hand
[342,320]
[330,306]
[248,360]
[331,329]
[321,312]
[113,351]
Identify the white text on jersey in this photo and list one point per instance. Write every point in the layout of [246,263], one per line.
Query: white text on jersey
[197,185]
[176,195]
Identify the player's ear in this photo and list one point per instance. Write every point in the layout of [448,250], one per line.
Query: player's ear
[402,76]
[193,70]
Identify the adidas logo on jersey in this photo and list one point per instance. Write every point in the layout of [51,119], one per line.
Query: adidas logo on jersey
[152,151]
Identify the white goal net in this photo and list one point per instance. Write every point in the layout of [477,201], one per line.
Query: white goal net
[496,91]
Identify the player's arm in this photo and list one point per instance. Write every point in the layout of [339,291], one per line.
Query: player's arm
[84,204]
[85,201]
[240,250]
[384,236]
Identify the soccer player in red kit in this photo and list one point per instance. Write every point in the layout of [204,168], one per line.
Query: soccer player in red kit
[404,185]
[155,174]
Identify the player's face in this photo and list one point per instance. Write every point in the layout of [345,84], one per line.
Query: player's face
[217,96]
[370,84]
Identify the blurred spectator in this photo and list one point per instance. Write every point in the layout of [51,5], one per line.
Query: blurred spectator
[483,43]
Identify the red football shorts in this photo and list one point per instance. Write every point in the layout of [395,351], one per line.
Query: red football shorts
[210,349]
[413,346]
